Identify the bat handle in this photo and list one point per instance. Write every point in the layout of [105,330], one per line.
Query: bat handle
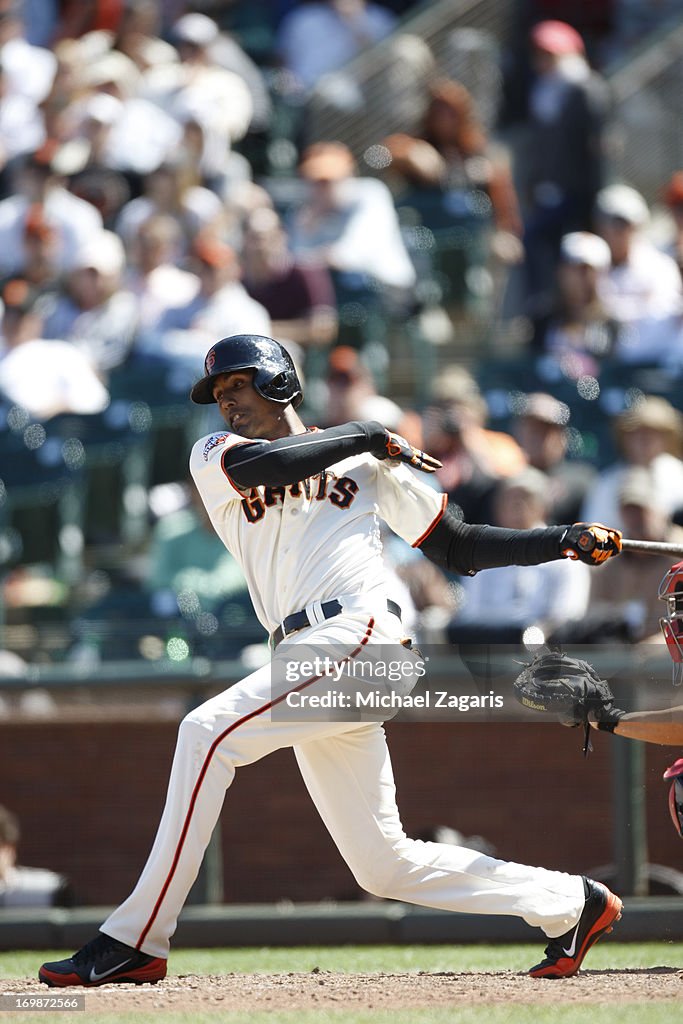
[586,541]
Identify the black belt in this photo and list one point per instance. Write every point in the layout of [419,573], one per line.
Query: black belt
[299,620]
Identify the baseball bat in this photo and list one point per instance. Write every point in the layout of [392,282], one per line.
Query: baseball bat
[652,547]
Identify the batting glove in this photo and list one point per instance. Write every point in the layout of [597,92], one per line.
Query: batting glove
[397,448]
[591,543]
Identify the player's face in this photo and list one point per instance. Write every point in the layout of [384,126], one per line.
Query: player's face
[244,410]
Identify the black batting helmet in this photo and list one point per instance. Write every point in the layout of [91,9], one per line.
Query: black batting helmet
[275,376]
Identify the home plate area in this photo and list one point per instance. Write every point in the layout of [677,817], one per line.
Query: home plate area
[330,990]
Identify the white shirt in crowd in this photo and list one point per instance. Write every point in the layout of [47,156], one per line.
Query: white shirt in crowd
[68,382]
[75,220]
[105,334]
[200,207]
[647,285]
[362,235]
[183,332]
[602,501]
[549,594]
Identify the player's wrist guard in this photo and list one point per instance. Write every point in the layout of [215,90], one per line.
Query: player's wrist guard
[591,543]
[393,446]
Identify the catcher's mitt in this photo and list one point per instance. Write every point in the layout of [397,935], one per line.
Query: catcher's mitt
[569,688]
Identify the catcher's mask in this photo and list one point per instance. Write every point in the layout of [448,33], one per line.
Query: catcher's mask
[671,591]
[675,772]
[275,376]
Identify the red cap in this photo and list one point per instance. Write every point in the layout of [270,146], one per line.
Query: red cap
[344,361]
[213,251]
[673,193]
[36,223]
[556,37]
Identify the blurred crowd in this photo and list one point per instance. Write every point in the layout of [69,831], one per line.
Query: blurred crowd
[161,186]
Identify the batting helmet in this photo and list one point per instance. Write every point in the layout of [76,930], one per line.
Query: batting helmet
[675,772]
[671,591]
[275,376]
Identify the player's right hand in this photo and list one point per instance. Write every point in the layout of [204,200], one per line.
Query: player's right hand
[400,450]
[591,543]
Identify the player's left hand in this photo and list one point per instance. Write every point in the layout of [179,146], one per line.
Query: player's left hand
[591,543]
[397,448]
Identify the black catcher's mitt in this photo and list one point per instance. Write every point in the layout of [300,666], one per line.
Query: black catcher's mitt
[569,688]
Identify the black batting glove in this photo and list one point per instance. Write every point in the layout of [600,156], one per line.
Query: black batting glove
[398,449]
[591,543]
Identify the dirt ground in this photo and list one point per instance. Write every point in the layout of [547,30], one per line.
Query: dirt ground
[328,990]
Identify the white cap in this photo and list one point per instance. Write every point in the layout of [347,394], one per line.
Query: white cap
[104,253]
[195,28]
[624,202]
[113,67]
[103,108]
[585,248]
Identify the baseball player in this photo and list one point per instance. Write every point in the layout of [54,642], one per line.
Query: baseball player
[299,508]
[664,726]
[571,688]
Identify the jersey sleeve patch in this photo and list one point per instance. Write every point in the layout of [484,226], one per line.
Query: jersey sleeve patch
[212,442]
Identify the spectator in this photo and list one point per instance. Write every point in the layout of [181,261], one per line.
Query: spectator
[197,85]
[94,311]
[352,395]
[198,39]
[154,276]
[316,38]
[77,19]
[137,35]
[642,281]
[451,154]
[630,593]
[44,377]
[22,129]
[220,308]
[22,886]
[562,158]
[649,434]
[542,430]
[90,158]
[173,189]
[473,457]
[38,257]
[298,296]
[75,221]
[349,223]
[217,168]
[575,329]
[547,597]
[144,135]
[29,69]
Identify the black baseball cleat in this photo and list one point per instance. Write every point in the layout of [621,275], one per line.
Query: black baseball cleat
[564,955]
[103,961]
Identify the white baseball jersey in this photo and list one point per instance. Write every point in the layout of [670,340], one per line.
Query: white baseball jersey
[318,539]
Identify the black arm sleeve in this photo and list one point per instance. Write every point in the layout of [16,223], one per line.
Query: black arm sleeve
[466,548]
[290,459]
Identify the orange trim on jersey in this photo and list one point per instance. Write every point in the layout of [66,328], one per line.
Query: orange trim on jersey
[444,504]
[230,480]
[207,760]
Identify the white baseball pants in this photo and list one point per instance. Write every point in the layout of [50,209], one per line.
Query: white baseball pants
[347,771]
